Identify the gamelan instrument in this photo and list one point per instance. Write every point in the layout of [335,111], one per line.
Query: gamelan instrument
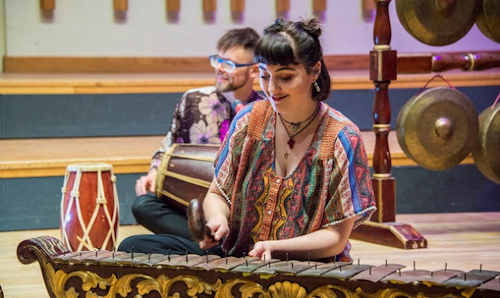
[89,207]
[487,152]
[186,172]
[119,274]
[437,22]
[437,128]
[488,20]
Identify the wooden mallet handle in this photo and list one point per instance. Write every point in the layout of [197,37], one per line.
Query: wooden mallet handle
[196,221]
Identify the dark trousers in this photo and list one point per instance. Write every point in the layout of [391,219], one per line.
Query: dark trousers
[165,244]
[154,214]
[169,225]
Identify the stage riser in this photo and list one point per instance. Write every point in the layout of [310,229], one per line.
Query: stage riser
[91,115]
[34,203]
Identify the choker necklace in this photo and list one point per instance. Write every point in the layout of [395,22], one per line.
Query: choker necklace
[296,125]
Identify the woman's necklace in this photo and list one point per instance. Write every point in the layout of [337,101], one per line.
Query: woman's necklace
[297,126]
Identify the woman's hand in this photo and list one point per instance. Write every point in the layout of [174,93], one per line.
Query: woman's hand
[262,250]
[219,228]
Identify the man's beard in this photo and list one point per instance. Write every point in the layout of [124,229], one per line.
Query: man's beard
[228,85]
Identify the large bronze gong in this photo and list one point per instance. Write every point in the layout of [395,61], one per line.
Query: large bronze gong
[437,128]
[488,20]
[437,22]
[487,153]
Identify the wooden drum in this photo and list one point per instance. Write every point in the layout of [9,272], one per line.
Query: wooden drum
[89,207]
[185,173]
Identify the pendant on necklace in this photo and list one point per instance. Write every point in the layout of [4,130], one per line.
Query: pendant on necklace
[291,143]
[286,155]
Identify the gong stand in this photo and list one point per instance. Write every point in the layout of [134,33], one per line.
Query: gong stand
[382,229]
[384,66]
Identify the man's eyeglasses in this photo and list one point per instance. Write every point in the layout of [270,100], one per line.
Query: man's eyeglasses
[227,65]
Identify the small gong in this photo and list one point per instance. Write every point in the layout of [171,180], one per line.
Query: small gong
[437,128]
[488,20]
[487,152]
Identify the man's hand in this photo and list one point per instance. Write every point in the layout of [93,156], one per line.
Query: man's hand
[219,228]
[146,183]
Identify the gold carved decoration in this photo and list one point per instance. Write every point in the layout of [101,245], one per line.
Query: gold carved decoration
[57,280]
[56,283]
[287,289]
[248,289]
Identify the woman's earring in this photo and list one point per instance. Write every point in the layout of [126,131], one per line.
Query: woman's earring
[316,86]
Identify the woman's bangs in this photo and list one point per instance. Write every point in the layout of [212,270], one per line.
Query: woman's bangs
[274,49]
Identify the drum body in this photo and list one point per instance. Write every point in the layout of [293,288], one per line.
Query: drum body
[185,173]
[89,207]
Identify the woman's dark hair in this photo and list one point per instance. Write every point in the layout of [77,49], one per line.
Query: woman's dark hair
[287,42]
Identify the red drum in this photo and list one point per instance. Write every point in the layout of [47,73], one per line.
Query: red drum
[89,207]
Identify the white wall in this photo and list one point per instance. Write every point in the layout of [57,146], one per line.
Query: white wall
[87,28]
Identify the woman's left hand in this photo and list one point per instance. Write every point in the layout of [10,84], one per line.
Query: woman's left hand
[262,250]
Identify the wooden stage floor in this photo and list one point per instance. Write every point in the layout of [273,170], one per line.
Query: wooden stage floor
[462,240]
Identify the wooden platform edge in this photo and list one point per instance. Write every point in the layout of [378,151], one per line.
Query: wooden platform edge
[58,168]
[33,164]
[181,82]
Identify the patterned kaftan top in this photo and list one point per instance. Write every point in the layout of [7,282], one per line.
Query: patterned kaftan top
[201,117]
[330,184]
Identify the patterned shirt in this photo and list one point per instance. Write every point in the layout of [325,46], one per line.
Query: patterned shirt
[201,117]
[329,185]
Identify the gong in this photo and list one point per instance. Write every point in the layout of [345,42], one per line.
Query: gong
[437,22]
[437,128]
[488,20]
[487,152]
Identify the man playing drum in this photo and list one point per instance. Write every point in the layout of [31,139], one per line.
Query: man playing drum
[201,117]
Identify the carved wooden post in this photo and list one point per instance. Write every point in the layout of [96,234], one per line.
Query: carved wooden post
[173,9]
[237,9]
[282,8]
[383,63]
[383,69]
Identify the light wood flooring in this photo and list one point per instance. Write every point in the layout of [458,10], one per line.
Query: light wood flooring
[462,240]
